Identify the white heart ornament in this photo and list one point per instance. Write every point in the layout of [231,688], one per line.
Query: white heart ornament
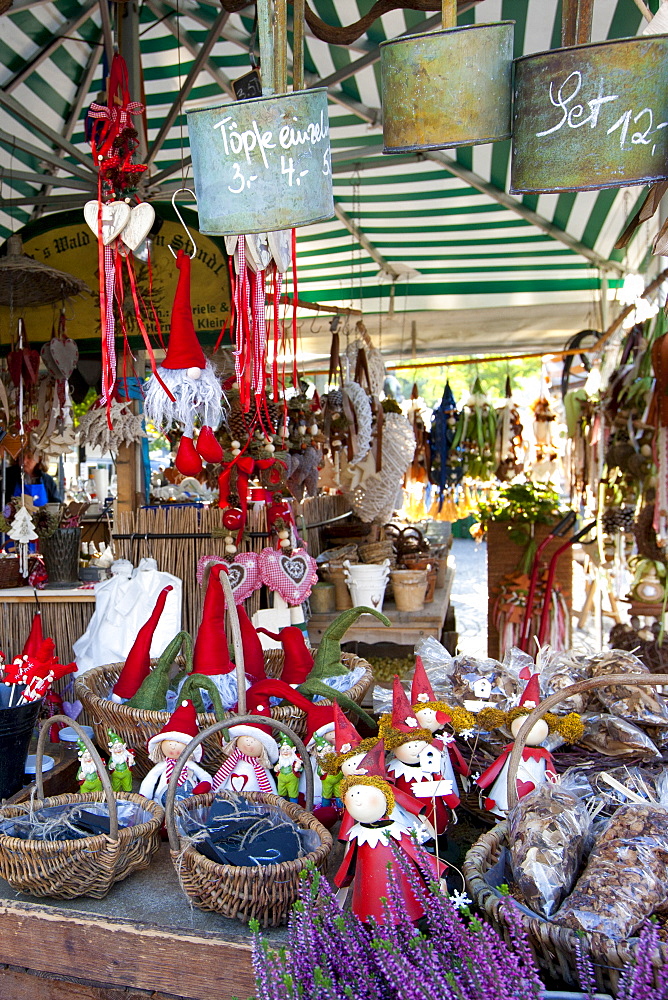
[139,226]
[115,217]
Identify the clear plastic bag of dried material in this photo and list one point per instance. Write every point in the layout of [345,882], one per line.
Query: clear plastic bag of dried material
[639,704]
[615,737]
[625,878]
[549,831]
[638,782]
[484,683]
[560,670]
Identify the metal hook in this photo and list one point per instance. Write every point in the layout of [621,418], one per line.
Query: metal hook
[180,218]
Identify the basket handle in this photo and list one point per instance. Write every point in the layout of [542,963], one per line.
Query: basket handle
[237,642]
[237,720]
[610,680]
[101,769]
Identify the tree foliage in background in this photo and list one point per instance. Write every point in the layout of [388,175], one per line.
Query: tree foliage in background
[524,373]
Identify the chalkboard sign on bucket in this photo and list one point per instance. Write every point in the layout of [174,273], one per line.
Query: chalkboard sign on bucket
[591,116]
[263,164]
[447,88]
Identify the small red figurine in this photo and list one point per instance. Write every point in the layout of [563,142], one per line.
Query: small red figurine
[372,840]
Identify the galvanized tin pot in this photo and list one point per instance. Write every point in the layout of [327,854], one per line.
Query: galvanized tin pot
[262,165]
[447,88]
[591,116]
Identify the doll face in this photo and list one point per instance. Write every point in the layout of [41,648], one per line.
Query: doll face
[409,753]
[537,733]
[249,745]
[172,749]
[330,737]
[365,803]
[427,719]
[350,766]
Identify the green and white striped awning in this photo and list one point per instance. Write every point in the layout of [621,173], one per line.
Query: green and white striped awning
[433,237]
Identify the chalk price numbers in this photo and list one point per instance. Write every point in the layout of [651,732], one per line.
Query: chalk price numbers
[245,143]
[572,115]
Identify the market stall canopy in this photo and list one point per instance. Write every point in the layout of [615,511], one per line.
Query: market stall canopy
[432,236]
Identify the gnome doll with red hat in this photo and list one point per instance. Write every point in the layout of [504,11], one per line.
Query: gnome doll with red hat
[137,664]
[350,751]
[185,387]
[165,748]
[211,655]
[417,764]
[251,755]
[535,766]
[373,840]
[433,715]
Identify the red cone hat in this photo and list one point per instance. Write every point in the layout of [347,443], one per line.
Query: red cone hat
[319,721]
[298,657]
[211,654]
[372,764]
[257,703]
[403,718]
[421,689]
[253,652]
[183,348]
[35,639]
[531,694]
[138,661]
[346,736]
[182,727]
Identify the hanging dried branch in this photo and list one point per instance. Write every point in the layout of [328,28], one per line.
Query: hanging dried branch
[346,34]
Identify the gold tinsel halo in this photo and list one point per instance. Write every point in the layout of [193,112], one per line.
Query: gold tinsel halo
[25,282]
[369,779]
[460,718]
[331,763]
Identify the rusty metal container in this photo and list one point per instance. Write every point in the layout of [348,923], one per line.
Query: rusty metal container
[262,165]
[591,116]
[447,88]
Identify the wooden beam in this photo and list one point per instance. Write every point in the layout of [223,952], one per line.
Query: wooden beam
[120,953]
[364,241]
[43,154]
[507,200]
[200,59]
[18,110]
[30,65]
[8,176]
[106,31]
[188,43]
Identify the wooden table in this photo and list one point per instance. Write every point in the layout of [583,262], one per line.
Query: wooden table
[408,627]
[65,616]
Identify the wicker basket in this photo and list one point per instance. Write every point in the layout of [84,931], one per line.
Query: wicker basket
[9,572]
[263,892]
[554,946]
[136,726]
[66,869]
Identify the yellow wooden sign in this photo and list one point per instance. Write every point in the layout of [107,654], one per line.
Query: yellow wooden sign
[64,241]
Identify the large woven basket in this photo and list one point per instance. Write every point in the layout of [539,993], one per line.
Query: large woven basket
[66,869]
[263,892]
[555,946]
[136,726]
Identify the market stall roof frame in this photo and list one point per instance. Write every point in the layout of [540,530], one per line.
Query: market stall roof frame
[434,233]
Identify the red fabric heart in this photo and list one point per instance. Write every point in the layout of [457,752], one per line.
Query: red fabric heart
[187,460]
[209,446]
[238,782]
[524,787]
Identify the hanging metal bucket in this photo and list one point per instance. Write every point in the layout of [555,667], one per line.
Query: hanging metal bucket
[262,165]
[591,116]
[447,88]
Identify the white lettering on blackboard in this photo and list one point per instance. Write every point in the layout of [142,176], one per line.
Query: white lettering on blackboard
[572,113]
[243,143]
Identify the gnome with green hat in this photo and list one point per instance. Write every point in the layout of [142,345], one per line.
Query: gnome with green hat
[120,763]
[287,768]
[87,776]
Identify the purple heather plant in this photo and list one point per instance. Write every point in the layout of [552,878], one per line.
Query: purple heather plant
[332,955]
[646,979]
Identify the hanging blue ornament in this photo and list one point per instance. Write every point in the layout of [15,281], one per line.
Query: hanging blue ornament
[446,469]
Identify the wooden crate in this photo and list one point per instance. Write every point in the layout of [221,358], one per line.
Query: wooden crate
[504,555]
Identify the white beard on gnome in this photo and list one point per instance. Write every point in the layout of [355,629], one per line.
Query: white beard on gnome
[196,392]
[185,387]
